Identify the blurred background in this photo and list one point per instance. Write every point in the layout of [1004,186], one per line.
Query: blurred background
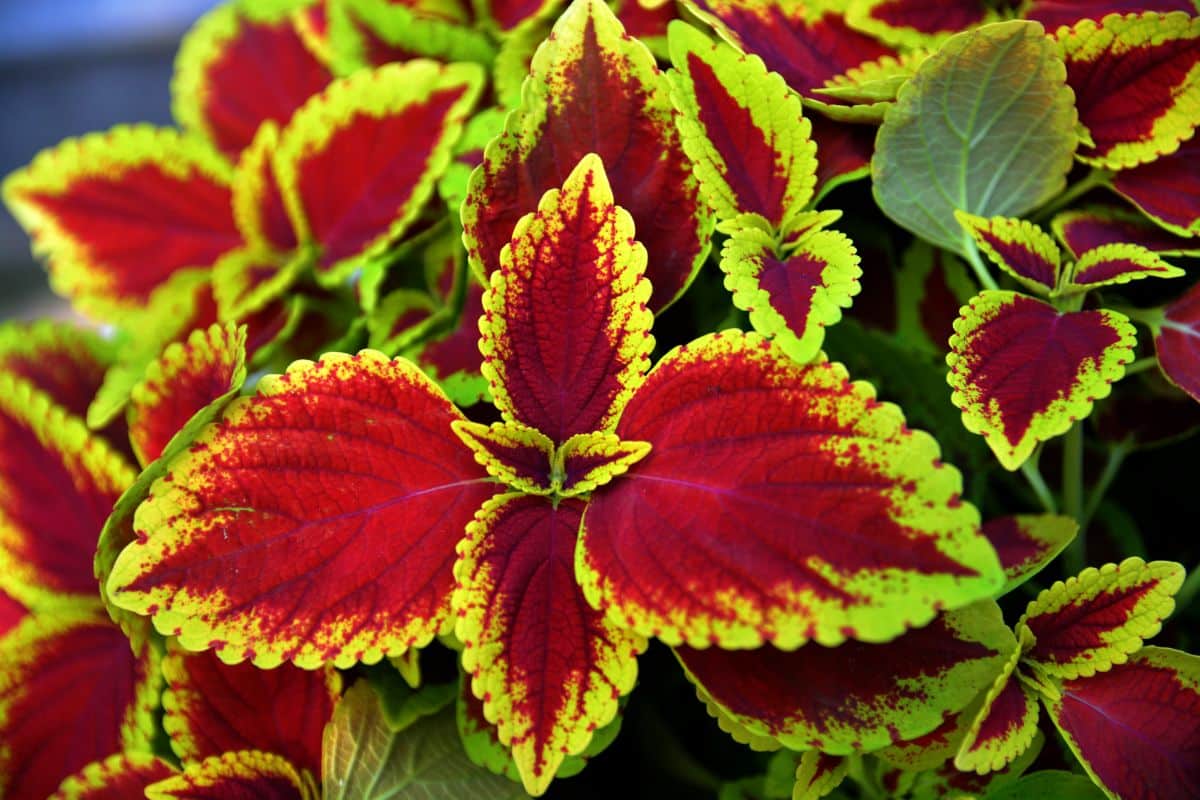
[68,67]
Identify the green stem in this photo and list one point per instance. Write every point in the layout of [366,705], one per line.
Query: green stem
[981,271]
[1141,365]
[1072,493]
[1094,179]
[1116,457]
[1187,593]
[1036,482]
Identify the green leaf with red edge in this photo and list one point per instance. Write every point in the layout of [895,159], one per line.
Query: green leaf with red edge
[743,129]
[1111,264]
[58,481]
[454,360]
[1005,726]
[210,367]
[240,65]
[565,336]
[118,777]
[120,214]
[369,33]
[1136,80]
[1056,13]
[588,460]
[1177,341]
[1087,228]
[806,44]
[212,708]
[316,493]
[548,668]
[241,775]
[792,296]
[515,454]
[827,519]
[357,162]
[818,774]
[1134,728]
[1097,618]
[1018,247]
[986,126]
[918,23]
[364,759]
[1024,372]
[65,361]
[72,691]
[1165,189]
[633,132]
[1026,543]
[857,696]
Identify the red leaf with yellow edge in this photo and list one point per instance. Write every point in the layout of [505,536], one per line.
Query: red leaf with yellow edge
[588,56]
[548,668]
[742,128]
[118,777]
[1111,264]
[244,775]
[64,361]
[758,742]
[12,612]
[1088,228]
[258,206]
[1097,618]
[801,508]
[188,376]
[366,33]
[58,482]
[857,696]
[588,460]
[311,23]
[212,708]
[1137,85]
[843,153]
[1005,726]
[1136,728]
[119,214]
[1024,372]
[936,748]
[806,44]
[1165,189]
[72,691]
[1026,543]
[566,330]
[243,64]
[516,454]
[358,161]
[1177,342]
[336,496]
[818,774]
[918,23]
[1018,247]
[505,16]
[793,296]
[454,360]
[1053,14]
[249,280]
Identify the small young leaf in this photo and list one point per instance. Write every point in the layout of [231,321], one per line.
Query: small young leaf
[1090,227]
[1026,543]
[118,777]
[589,460]
[1177,342]
[1116,263]
[1005,725]
[1166,189]
[241,775]
[515,454]
[818,774]
[1020,248]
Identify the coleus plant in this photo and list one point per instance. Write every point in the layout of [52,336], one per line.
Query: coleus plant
[563,445]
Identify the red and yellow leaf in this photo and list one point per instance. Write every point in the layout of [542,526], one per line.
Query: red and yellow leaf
[1024,372]
[212,708]
[72,691]
[1166,189]
[566,329]
[1018,247]
[1096,619]
[1054,14]
[1137,85]
[58,482]
[119,214]
[1111,264]
[358,161]
[805,43]
[1134,728]
[818,774]
[588,56]
[64,361]
[588,460]
[118,777]
[843,153]
[1005,726]
[801,508]
[742,128]
[1026,543]
[244,775]
[1177,342]
[367,33]
[508,16]
[793,297]
[188,376]
[248,280]
[336,496]
[515,454]
[258,205]
[857,696]
[1088,228]
[241,65]
[918,23]
[548,668]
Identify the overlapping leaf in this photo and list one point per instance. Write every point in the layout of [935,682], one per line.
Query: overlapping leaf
[588,460]
[258,204]
[1096,619]
[1177,342]
[510,16]
[1026,543]
[1088,228]
[801,509]
[335,496]
[1017,246]
[857,696]
[244,775]
[1165,189]
[1136,80]
[864,93]
[366,33]
[843,153]
[454,360]
[1056,13]
[1005,726]
[118,777]
[1116,263]
[241,65]
[548,668]
[1023,372]
[918,23]
[516,454]
[119,214]
[64,361]
[560,120]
